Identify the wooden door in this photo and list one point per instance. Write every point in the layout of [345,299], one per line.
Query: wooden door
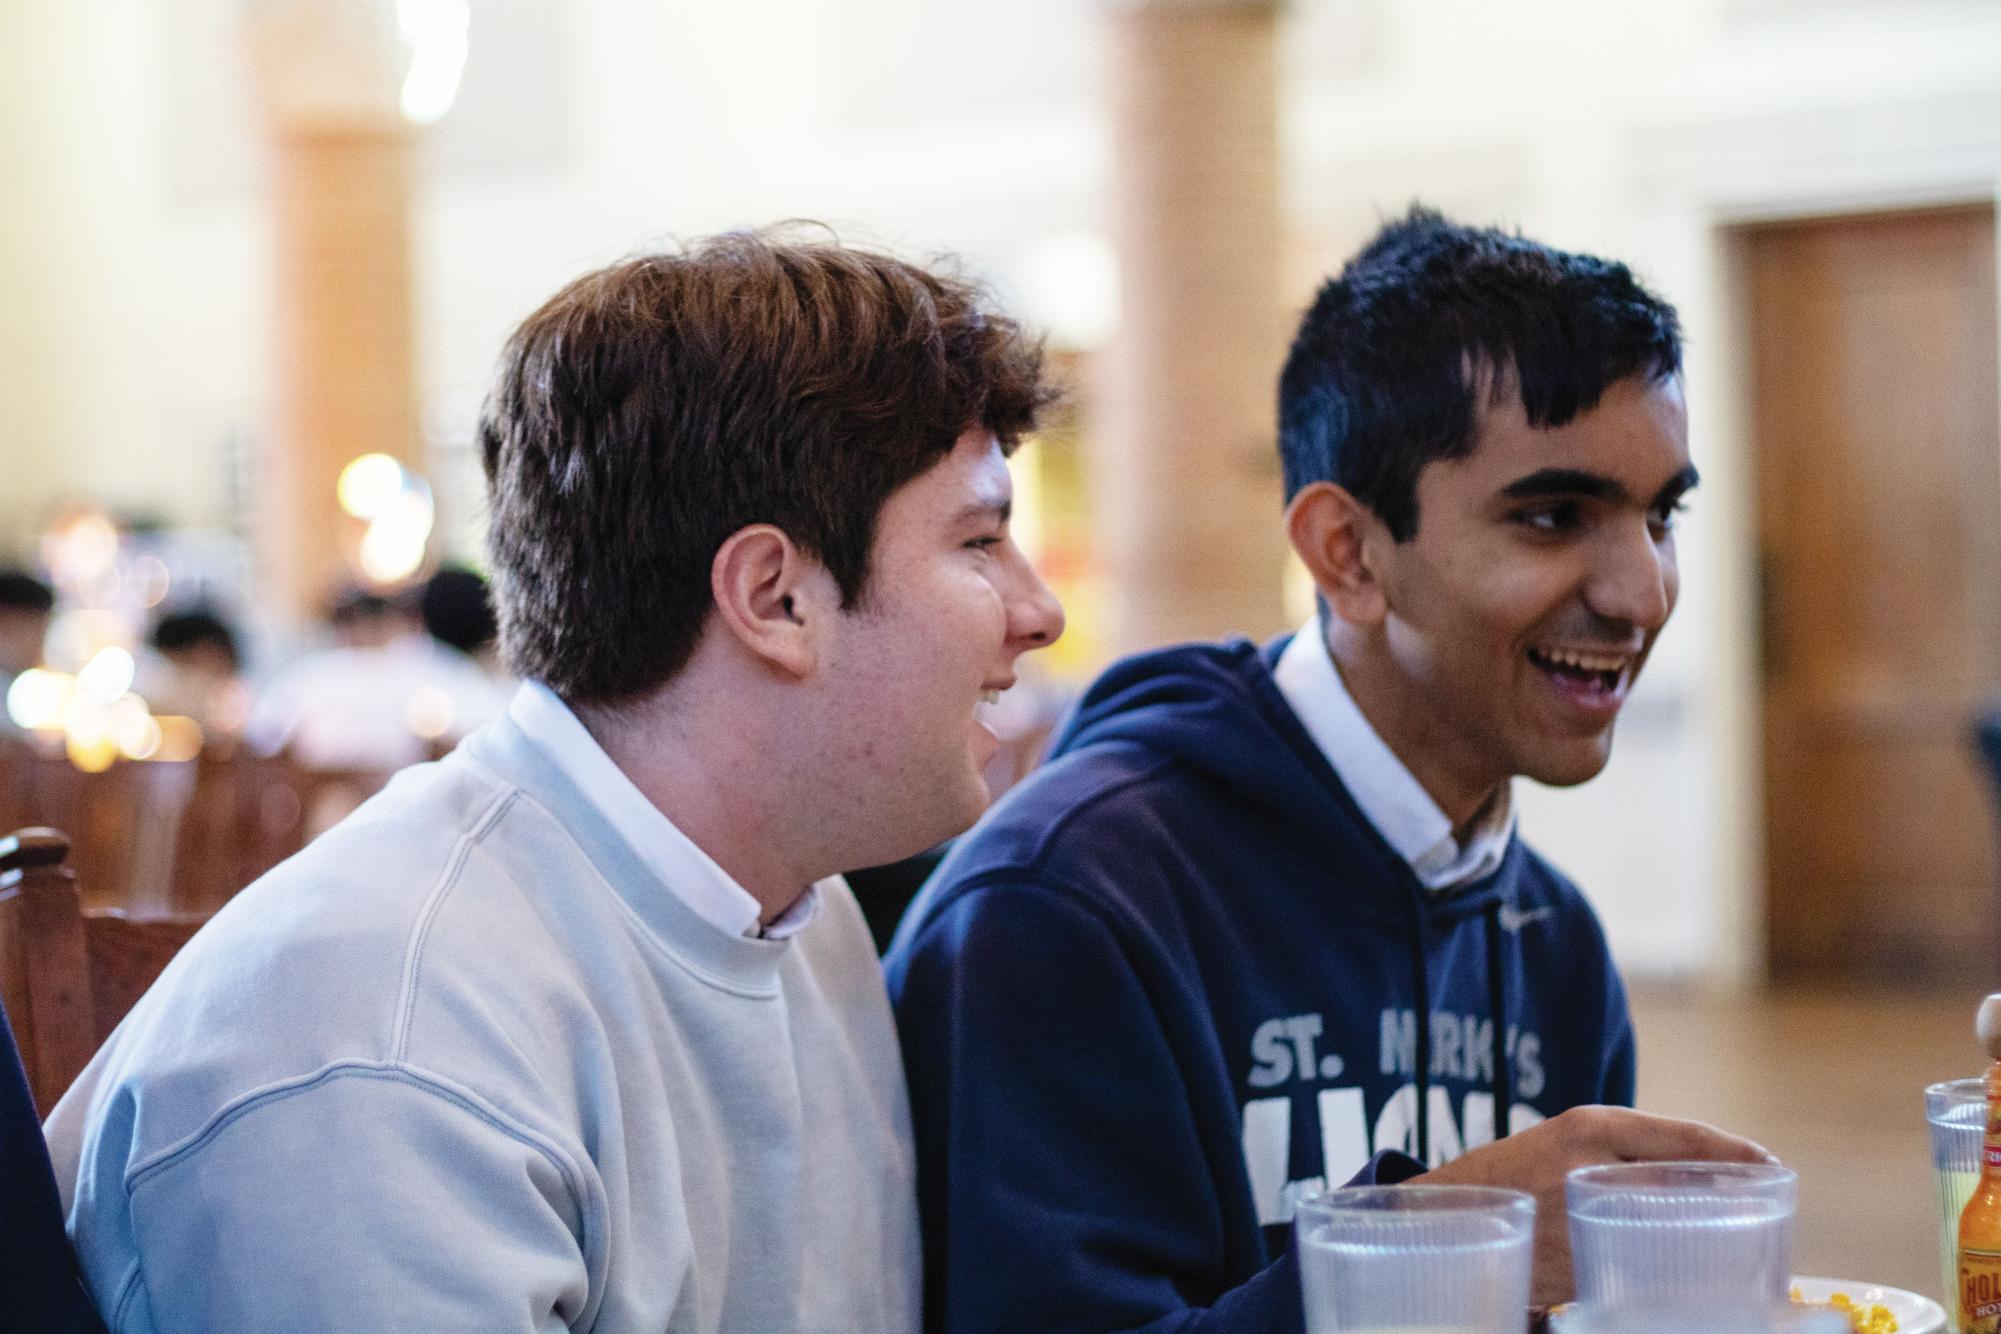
[1878,457]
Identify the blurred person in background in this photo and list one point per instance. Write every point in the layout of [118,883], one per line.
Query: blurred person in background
[1263,921]
[578,1028]
[26,607]
[456,607]
[386,695]
[194,668]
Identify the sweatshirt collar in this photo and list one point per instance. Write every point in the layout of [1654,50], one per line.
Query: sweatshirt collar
[1388,794]
[674,858]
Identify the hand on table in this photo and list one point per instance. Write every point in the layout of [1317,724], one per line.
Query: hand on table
[1537,1160]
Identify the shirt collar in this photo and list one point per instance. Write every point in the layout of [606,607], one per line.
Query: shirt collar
[681,865]
[1389,795]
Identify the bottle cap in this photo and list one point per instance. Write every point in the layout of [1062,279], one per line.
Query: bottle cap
[1988,1026]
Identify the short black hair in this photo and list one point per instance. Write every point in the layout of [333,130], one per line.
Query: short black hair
[1387,368]
[457,609]
[21,591]
[192,626]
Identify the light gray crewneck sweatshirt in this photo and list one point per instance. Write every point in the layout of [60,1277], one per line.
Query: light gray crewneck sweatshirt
[464,1064]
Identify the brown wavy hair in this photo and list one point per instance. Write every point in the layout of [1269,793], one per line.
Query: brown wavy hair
[649,410]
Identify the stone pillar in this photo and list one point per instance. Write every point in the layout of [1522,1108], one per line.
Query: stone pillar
[343,336]
[1186,485]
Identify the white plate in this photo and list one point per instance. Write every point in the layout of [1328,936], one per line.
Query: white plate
[1915,1314]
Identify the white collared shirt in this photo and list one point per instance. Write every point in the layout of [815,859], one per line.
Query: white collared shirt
[1391,798]
[681,865]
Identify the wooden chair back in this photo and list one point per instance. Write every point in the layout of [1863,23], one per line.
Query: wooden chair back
[68,977]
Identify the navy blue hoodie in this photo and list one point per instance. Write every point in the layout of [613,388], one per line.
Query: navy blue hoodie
[1174,979]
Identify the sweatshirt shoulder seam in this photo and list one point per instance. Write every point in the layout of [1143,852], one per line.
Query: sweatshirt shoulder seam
[431,1085]
[448,878]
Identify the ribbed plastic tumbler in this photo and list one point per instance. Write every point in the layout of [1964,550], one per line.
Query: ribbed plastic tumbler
[1687,1234]
[1434,1257]
[1957,1113]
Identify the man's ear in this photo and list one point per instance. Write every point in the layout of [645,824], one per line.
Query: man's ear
[1335,535]
[761,582]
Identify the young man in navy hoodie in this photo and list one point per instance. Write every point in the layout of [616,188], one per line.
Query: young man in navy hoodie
[1263,922]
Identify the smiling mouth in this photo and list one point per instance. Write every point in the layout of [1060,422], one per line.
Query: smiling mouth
[1597,673]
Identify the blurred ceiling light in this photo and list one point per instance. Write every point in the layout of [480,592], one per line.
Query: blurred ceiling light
[37,699]
[396,503]
[395,543]
[367,485]
[429,712]
[92,754]
[144,744]
[80,547]
[81,633]
[133,728]
[436,32]
[390,554]
[109,674]
[86,718]
[148,580]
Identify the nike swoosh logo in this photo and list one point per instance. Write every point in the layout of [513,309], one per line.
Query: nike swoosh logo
[1513,919]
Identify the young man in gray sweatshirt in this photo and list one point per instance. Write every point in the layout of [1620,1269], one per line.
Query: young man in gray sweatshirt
[579,1028]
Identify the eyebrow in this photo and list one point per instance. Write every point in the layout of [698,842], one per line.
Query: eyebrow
[995,510]
[1547,482]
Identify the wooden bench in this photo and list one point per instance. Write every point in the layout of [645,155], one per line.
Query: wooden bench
[66,976]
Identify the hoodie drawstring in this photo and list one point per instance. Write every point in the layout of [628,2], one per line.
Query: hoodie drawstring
[1417,953]
[1497,1007]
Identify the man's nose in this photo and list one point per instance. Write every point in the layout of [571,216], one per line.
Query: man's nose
[1035,617]
[1635,581]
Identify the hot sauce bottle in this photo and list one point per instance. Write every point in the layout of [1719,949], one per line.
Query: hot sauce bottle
[1980,1221]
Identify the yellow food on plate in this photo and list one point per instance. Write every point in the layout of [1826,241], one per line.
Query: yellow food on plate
[1871,1319]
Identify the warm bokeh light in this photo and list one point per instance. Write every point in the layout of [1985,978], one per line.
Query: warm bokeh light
[394,546]
[37,699]
[92,754]
[108,674]
[131,723]
[81,548]
[144,741]
[86,718]
[147,580]
[368,484]
[180,738]
[429,712]
[81,633]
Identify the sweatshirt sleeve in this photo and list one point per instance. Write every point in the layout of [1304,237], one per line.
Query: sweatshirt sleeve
[1063,1183]
[369,1198]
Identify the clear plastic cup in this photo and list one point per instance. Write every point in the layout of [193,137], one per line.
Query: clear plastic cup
[1957,1113]
[1409,1258]
[1681,1234]
[1754,1319]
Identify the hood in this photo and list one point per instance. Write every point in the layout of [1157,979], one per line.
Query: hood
[1217,709]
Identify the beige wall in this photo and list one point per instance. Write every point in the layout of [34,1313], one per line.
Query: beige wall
[136,334]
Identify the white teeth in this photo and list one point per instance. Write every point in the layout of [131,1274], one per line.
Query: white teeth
[990,696]
[1584,662]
